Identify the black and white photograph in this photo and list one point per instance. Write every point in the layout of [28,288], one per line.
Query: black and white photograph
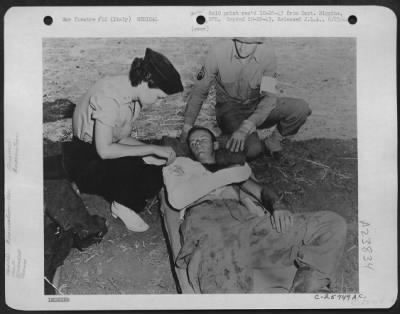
[203,165]
[165,200]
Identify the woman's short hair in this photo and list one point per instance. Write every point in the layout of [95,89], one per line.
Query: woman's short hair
[139,74]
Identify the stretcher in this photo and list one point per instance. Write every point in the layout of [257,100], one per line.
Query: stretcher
[172,221]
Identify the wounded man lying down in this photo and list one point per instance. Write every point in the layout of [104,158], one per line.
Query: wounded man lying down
[229,246]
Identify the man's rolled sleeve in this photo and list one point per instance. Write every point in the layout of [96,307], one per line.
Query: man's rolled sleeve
[105,110]
[201,87]
[264,108]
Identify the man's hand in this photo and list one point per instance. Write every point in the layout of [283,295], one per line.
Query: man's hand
[238,138]
[236,142]
[185,131]
[281,219]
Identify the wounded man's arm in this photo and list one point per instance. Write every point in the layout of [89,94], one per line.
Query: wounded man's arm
[183,190]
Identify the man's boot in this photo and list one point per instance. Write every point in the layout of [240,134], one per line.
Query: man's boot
[273,144]
[308,280]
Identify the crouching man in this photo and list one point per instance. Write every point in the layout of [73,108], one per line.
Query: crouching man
[229,245]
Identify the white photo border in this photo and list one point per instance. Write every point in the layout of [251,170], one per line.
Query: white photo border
[375,33]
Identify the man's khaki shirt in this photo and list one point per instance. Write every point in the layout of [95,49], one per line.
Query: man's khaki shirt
[236,82]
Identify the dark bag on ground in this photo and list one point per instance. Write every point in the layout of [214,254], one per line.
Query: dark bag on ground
[68,224]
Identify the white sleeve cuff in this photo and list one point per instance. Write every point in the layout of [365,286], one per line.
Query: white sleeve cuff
[248,126]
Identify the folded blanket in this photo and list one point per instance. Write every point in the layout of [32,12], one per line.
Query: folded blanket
[227,249]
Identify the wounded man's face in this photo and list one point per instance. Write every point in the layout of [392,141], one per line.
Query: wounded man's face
[201,145]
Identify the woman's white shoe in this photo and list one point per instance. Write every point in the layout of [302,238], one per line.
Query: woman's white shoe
[131,220]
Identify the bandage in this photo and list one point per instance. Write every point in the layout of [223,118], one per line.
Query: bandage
[268,84]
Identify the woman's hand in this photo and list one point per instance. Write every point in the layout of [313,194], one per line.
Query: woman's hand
[165,152]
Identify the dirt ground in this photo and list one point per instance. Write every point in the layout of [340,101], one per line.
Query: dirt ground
[319,173]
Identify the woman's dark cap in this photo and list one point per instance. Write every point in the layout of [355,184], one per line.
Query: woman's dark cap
[163,73]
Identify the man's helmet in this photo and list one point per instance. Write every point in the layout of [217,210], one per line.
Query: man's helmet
[250,40]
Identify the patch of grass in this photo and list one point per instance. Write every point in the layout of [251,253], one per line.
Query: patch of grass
[320,174]
[57,110]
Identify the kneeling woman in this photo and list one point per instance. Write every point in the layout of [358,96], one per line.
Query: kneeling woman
[104,158]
